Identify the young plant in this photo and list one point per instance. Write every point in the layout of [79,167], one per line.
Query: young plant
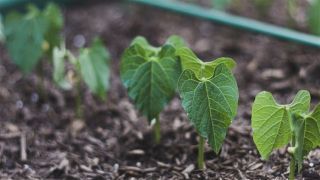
[32,35]
[92,66]
[210,96]
[275,126]
[314,17]
[150,74]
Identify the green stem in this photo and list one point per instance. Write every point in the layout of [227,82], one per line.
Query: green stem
[292,168]
[201,153]
[79,110]
[292,165]
[156,130]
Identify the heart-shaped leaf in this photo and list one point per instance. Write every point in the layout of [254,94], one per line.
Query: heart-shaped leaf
[211,103]
[150,74]
[271,122]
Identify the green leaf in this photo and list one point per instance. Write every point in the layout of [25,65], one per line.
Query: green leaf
[24,37]
[202,69]
[314,17]
[94,67]
[59,57]
[150,74]
[211,104]
[307,133]
[54,17]
[271,122]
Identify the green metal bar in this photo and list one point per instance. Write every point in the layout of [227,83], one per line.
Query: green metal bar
[234,21]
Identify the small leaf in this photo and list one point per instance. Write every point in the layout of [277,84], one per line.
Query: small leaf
[211,104]
[94,67]
[24,37]
[150,74]
[307,133]
[59,56]
[202,69]
[271,122]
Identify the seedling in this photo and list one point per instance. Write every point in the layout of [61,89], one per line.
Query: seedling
[92,66]
[275,126]
[150,74]
[314,17]
[210,96]
[32,35]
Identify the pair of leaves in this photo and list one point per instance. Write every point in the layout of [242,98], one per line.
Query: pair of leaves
[274,125]
[314,17]
[209,95]
[151,73]
[92,65]
[29,36]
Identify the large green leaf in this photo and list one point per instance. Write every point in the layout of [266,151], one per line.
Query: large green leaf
[24,37]
[211,104]
[271,122]
[307,134]
[150,74]
[202,69]
[94,67]
[314,17]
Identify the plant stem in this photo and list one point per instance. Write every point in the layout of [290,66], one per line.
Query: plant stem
[201,152]
[79,110]
[292,168]
[156,130]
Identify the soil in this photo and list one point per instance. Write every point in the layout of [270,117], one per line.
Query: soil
[114,141]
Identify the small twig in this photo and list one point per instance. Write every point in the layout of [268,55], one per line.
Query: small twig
[23,143]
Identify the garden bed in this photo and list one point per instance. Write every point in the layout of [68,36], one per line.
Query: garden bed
[116,141]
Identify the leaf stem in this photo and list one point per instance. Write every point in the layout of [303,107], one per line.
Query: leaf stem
[156,130]
[201,153]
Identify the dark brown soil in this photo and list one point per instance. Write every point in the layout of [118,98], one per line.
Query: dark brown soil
[116,142]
